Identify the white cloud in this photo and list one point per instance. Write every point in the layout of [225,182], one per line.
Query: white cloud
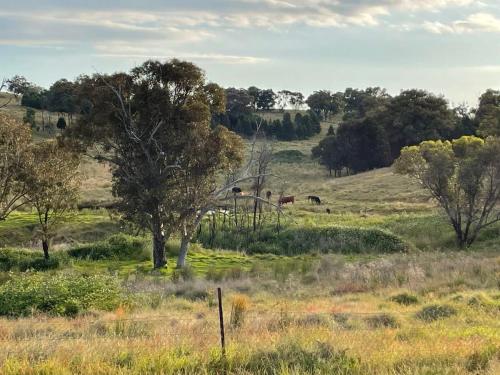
[159,50]
[478,22]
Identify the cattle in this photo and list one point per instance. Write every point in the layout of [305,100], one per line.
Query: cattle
[268,194]
[236,190]
[285,200]
[314,199]
[328,211]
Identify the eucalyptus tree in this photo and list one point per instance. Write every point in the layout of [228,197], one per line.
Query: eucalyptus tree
[144,123]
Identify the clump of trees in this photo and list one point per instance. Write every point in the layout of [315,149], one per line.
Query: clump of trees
[376,126]
[463,176]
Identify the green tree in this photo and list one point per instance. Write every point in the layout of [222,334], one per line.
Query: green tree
[288,131]
[415,116]
[145,121]
[323,103]
[488,114]
[464,178]
[360,103]
[14,156]
[53,184]
[329,154]
[266,100]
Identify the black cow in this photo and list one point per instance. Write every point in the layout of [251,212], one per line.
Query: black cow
[314,199]
[236,190]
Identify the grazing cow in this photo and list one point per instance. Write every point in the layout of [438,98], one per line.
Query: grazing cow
[328,211]
[236,190]
[268,194]
[285,200]
[314,199]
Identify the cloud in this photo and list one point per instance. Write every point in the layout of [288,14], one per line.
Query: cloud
[477,22]
[158,50]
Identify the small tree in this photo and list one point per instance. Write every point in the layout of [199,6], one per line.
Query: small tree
[14,156]
[53,184]
[463,176]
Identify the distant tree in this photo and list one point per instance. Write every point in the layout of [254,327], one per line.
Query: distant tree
[296,100]
[288,131]
[360,103]
[238,101]
[283,98]
[29,117]
[415,116]
[62,98]
[254,93]
[18,85]
[323,103]
[33,97]
[53,184]
[368,144]
[465,123]
[329,154]
[488,114]
[266,99]
[464,178]
[61,123]
[14,157]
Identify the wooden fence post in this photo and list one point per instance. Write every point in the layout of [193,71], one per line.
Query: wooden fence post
[221,322]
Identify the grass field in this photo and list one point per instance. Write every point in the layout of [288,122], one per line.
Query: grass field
[433,309]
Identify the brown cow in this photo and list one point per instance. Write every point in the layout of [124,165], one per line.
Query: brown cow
[285,200]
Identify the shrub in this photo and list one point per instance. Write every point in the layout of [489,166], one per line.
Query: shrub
[321,359]
[117,247]
[435,312]
[294,241]
[480,361]
[382,321]
[63,294]
[23,260]
[238,310]
[185,273]
[405,299]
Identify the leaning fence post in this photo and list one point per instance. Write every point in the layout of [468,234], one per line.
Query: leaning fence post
[221,322]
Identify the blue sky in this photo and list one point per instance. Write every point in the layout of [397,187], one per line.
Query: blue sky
[450,47]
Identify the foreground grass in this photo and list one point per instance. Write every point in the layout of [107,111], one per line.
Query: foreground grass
[283,328]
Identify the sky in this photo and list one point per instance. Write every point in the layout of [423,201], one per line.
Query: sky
[449,47]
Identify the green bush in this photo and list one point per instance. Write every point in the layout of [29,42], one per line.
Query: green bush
[23,260]
[435,312]
[117,247]
[294,241]
[405,299]
[62,294]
